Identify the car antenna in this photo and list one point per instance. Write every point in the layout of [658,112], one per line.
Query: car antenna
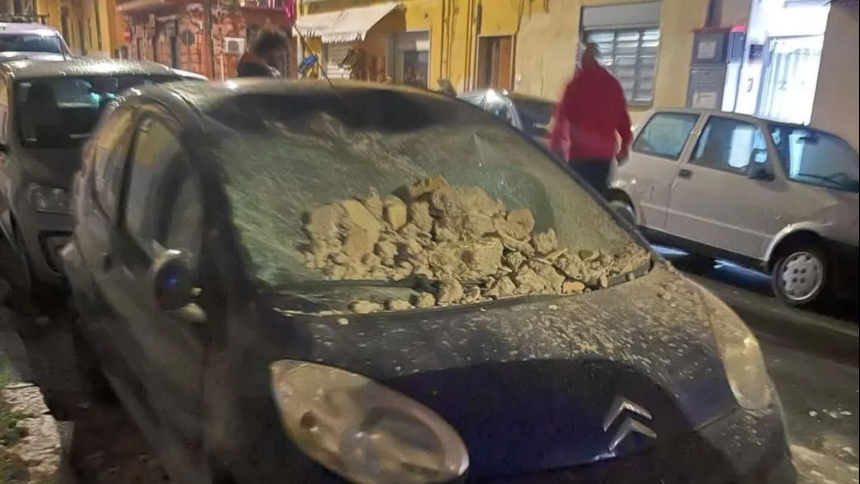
[307,47]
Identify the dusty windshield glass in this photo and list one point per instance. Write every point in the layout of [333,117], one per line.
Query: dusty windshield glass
[30,43]
[385,186]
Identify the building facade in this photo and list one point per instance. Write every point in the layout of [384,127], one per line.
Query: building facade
[91,27]
[177,33]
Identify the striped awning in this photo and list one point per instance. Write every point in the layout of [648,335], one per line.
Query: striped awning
[139,5]
[346,25]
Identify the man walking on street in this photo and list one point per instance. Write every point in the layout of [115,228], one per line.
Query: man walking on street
[267,52]
[590,121]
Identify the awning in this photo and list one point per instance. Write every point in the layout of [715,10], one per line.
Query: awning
[346,25]
[138,5]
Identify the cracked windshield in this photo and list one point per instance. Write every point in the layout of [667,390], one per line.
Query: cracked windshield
[429,242]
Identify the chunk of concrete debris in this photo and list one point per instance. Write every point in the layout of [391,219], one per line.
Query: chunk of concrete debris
[398,305]
[455,201]
[503,287]
[424,300]
[450,292]
[453,235]
[426,187]
[419,214]
[546,242]
[395,212]
[374,204]
[519,224]
[572,287]
[365,307]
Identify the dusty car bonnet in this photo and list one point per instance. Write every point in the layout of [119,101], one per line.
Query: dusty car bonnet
[528,383]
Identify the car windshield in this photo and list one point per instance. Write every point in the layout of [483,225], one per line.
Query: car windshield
[386,185]
[62,112]
[536,115]
[49,43]
[816,158]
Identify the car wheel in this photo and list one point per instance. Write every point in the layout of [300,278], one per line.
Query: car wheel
[625,209]
[800,276]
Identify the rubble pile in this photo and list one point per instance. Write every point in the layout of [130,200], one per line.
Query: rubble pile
[459,236]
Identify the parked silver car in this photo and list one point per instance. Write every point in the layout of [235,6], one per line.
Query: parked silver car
[776,196]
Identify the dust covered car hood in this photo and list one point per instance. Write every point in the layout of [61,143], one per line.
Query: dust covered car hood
[528,382]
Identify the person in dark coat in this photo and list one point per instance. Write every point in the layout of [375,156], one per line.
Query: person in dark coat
[268,50]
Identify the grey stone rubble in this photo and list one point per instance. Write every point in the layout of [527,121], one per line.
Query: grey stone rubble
[459,236]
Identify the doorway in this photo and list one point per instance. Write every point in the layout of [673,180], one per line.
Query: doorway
[790,78]
[496,62]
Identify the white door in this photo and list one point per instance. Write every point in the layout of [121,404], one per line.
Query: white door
[335,54]
[723,196]
[654,162]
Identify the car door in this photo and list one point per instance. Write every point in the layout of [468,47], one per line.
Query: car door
[654,161]
[723,196]
[160,209]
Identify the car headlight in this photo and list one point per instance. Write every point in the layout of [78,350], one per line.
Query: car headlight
[48,199]
[363,431]
[741,355]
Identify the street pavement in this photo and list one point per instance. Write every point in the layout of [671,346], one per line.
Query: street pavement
[812,358]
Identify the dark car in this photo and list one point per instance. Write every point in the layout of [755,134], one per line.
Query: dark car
[530,114]
[47,112]
[365,284]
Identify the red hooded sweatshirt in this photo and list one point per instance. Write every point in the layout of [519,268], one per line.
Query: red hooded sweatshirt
[591,117]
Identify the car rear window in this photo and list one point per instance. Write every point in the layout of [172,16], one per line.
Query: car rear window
[30,43]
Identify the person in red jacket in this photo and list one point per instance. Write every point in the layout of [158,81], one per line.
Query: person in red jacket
[591,120]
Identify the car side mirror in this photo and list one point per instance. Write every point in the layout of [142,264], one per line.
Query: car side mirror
[172,280]
[760,173]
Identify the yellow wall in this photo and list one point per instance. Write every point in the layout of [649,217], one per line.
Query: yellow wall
[837,108]
[548,39]
[82,12]
[447,21]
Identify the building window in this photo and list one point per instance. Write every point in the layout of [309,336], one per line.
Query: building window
[496,62]
[412,59]
[630,54]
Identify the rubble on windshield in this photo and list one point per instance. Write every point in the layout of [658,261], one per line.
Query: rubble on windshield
[459,236]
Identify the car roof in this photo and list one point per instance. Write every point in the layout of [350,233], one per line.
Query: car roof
[26,28]
[82,67]
[748,117]
[205,95]
[512,95]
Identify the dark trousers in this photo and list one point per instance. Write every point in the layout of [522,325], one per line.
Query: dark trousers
[594,172]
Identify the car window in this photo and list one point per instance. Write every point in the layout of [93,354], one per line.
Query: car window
[34,42]
[110,150]
[163,205]
[666,135]
[499,106]
[535,115]
[730,145]
[816,158]
[476,99]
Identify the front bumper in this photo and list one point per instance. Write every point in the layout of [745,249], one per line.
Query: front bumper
[44,234]
[743,448]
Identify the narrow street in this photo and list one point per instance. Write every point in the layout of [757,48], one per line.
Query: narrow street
[812,359]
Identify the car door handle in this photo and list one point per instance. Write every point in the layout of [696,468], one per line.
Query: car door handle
[685,174]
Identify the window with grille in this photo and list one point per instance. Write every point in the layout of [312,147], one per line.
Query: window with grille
[630,54]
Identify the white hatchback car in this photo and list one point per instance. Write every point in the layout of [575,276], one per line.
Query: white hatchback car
[780,197]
